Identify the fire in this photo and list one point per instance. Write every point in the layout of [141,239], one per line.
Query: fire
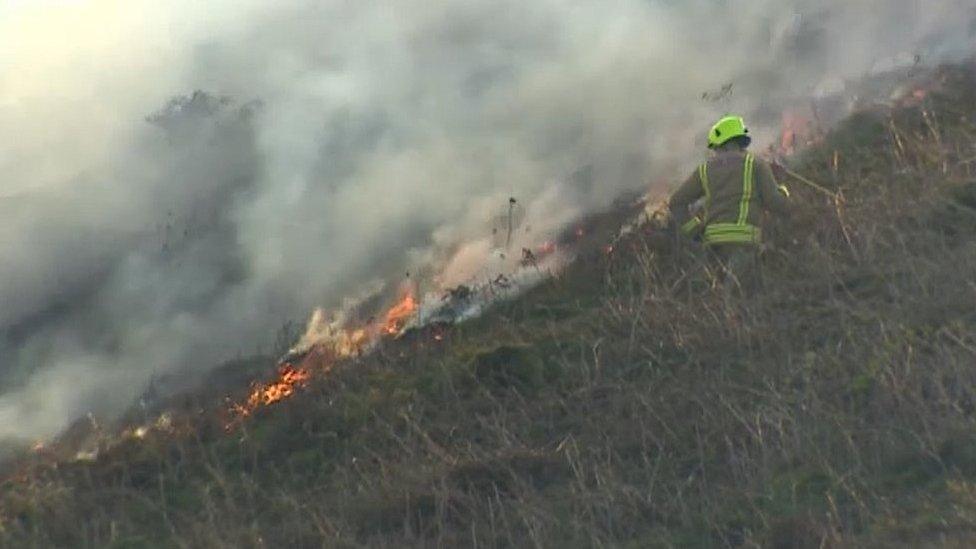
[327,343]
[289,379]
[399,314]
[800,129]
[330,339]
[795,130]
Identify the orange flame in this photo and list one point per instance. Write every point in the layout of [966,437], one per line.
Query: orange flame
[796,130]
[324,355]
[289,379]
[801,128]
[399,314]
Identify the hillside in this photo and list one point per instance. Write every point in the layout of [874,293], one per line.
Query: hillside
[626,402]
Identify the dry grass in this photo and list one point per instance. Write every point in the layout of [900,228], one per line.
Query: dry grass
[624,403]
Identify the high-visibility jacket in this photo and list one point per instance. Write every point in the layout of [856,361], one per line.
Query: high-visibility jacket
[733,187]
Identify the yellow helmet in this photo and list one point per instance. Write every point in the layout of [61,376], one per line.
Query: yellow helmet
[726,129]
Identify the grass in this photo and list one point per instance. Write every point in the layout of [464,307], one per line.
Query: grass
[625,403]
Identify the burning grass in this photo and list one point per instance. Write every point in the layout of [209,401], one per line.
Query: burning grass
[329,341]
[324,345]
[624,402]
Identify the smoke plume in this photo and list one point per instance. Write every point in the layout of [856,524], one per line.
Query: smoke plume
[146,228]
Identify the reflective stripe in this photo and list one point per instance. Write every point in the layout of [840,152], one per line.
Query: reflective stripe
[746,190]
[740,232]
[727,233]
[691,225]
[703,177]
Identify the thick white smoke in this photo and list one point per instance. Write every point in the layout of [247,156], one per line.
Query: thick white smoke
[355,138]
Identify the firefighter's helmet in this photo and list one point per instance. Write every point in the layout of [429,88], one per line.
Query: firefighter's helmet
[725,129]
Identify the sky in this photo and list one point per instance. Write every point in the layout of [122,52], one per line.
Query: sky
[338,144]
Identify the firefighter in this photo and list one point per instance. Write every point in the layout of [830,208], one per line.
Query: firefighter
[729,193]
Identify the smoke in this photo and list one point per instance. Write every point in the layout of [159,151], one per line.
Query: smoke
[343,143]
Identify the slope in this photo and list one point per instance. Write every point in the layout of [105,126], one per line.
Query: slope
[627,402]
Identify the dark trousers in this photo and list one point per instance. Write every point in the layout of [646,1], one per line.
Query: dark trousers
[737,266]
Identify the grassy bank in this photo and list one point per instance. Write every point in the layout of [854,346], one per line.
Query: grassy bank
[627,402]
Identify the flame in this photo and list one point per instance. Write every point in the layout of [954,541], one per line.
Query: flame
[324,345]
[398,316]
[330,339]
[800,129]
[796,128]
[288,380]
